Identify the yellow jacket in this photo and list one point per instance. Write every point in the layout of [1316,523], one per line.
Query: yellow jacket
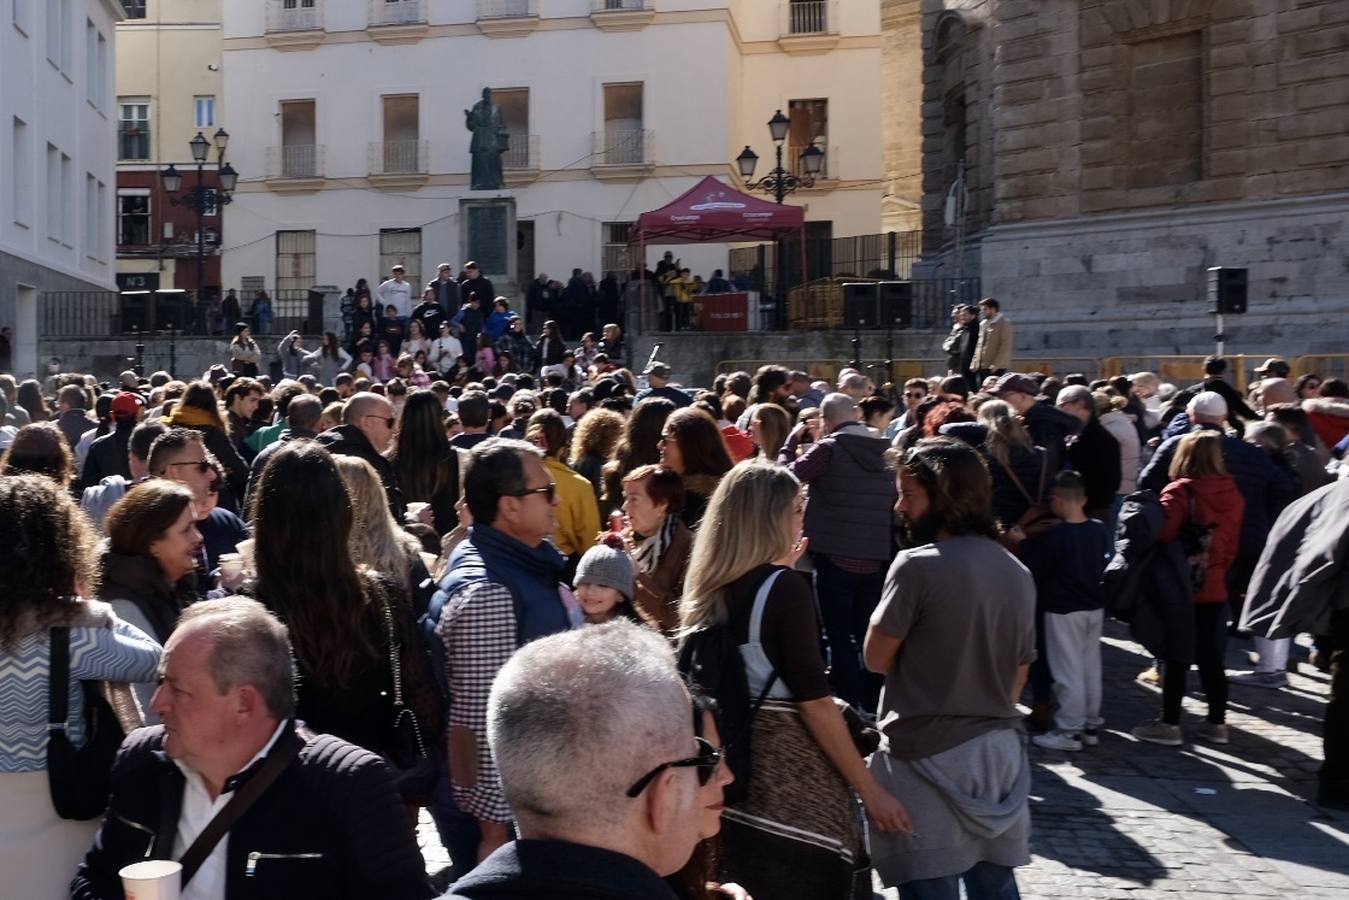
[578,515]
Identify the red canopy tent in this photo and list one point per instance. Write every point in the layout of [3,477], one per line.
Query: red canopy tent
[712,212]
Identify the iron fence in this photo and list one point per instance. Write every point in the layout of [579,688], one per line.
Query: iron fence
[95,314]
[882,256]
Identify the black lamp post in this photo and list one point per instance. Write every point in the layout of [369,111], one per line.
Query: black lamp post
[779,182]
[201,198]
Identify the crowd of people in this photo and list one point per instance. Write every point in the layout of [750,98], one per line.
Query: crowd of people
[621,638]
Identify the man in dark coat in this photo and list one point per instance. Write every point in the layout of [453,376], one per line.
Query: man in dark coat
[1093,452]
[330,825]
[1301,583]
[1049,427]
[366,431]
[108,454]
[848,522]
[474,282]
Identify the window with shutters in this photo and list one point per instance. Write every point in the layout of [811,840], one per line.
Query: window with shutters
[402,247]
[295,260]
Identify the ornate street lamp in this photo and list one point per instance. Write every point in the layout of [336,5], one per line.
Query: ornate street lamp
[202,198]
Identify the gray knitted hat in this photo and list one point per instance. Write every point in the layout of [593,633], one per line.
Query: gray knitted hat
[606,566]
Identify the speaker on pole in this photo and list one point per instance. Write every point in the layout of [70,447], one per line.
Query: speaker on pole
[859,304]
[896,303]
[1227,290]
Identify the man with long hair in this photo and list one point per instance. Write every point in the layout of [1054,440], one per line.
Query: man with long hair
[954,636]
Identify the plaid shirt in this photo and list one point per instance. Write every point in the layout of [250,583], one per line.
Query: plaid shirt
[479,631]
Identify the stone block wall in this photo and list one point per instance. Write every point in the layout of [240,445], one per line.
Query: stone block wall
[901,114]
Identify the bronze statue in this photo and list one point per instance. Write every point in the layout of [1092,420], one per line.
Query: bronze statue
[490,140]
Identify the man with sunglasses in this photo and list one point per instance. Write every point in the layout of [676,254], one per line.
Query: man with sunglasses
[605,707]
[180,455]
[367,429]
[502,591]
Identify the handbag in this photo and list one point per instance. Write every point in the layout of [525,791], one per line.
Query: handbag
[414,768]
[78,778]
[1036,519]
[1196,540]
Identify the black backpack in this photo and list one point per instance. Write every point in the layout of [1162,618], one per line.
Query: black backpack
[710,658]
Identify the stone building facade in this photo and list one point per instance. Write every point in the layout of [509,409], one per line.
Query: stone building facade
[1102,154]
[902,114]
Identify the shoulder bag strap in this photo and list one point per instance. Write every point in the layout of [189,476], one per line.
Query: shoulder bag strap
[279,760]
[395,654]
[58,682]
[1021,489]
[755,625]
[1044,472]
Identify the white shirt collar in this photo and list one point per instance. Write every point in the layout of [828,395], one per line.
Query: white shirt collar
[191,773]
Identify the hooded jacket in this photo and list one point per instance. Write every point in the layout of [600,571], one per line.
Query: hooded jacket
[1050,428]
[1211,500]
[1125,433]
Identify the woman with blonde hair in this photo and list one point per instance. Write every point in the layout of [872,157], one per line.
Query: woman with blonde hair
[376,540]
[1203,509]
[741,578]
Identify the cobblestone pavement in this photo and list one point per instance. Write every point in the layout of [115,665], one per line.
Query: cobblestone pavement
[1141,822]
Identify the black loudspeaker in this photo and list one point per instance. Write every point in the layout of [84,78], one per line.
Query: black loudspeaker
[1227,290]
[859,305]
[896,303]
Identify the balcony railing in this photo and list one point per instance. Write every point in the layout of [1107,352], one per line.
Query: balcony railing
[294,15]
[523,153]
[623,147]
[804,17]
[295,161]
[405,157]
[791,157]
[601,6]
[507,9]
[397,12]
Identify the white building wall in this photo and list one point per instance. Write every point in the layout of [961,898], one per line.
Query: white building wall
[66,102]
[711,76]
[56,219]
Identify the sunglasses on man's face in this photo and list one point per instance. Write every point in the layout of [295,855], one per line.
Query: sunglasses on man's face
[548,490]
[389,422]
[202,466]
[706,762]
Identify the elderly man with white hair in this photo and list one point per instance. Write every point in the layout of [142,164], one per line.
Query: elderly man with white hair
[593,733]
[1265,487]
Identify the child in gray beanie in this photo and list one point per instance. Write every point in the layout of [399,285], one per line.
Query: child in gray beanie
[604,582]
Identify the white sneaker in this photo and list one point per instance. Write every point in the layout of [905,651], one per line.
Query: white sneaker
[1057,740]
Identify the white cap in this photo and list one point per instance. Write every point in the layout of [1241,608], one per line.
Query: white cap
[1208,404]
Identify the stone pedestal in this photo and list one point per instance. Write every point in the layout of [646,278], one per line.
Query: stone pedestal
[487,236]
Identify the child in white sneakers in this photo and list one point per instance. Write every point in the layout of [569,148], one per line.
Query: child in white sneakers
[1067,562]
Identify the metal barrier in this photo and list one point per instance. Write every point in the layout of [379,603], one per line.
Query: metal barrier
[94,314]
[900,369]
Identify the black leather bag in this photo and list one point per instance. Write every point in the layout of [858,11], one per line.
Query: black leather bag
[79,779]
[409,753]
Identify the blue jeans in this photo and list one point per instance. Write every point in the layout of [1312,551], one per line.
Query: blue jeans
[985,881]
[846,602]
[459,832]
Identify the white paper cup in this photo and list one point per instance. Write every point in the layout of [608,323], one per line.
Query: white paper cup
[231,567]
[414,511]
[153,879]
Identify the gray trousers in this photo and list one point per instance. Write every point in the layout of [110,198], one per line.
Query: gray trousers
[1074,644]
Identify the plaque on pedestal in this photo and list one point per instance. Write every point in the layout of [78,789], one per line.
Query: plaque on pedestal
[487,236]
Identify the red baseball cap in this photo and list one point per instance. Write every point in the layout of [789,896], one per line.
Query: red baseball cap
[125,404]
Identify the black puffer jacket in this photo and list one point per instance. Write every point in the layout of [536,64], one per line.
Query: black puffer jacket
[331,826]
